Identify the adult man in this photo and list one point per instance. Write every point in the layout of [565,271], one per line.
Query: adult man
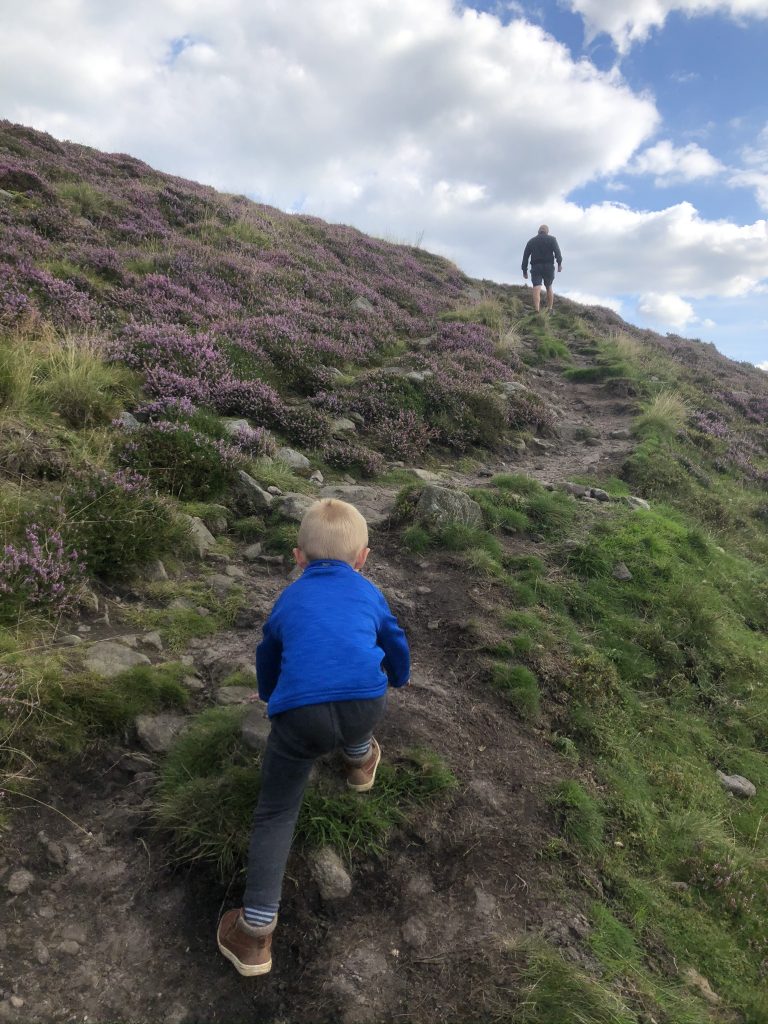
[542,250]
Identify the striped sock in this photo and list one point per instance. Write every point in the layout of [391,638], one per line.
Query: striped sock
[359,750]
[257,917]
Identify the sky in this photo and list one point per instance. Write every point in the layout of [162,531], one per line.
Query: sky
[638,131]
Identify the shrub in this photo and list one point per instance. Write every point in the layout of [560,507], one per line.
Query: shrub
[581,820]
[42,573]
[665,414]
[406,436]
[519,687]
[117,522]
[180,460]
[352,455]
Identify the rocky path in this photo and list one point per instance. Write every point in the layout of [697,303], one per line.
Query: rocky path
[94,926]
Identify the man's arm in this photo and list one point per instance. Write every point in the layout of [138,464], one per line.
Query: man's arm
[269,656]
[526,257]
[558,254]
[397,657]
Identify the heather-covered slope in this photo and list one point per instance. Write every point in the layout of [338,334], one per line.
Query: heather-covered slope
[550,841]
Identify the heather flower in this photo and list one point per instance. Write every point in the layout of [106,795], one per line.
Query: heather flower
[42,572]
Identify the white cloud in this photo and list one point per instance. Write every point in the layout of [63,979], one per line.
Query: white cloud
[666,308]
[755,172]
[673,164]
[632,20]
[763,366]
[411,120]
[588,299]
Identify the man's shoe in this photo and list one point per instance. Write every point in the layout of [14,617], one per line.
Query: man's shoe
[248,948]
[361,774]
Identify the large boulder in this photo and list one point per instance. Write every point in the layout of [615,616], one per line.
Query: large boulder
[110,659]
[737,785]
[200,537]
[442,506]
[293,505]
[375,503]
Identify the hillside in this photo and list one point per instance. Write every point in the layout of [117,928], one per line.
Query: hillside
[568,517]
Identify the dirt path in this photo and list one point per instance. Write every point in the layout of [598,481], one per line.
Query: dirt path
[106,932]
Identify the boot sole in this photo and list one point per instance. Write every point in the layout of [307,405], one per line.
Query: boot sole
[247,970]
[363,787]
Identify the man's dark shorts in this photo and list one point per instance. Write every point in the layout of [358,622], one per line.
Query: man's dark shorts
[542,272]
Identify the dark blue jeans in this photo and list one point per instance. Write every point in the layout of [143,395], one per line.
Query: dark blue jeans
[298,737]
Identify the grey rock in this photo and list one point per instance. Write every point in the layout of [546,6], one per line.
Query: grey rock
[221,666]
[332,371]
[201,539]
[317,478]
[512,387]
[247,618]
[157,732]
[110,659]
[538,444]
[235,571]
[215,518]
[423,590]
[70,640]
[88,601]
[679,886]
[41,953]
[193,683]
[55,853]
[341,426]
[415,933]
[69,947]
[362,305]
[128,422]
[419,376]
[702,985]
[599,494]
[155,572]
[222,583]
[274,490]
[426,475]
[621,435]
[153,640]
[229,695]
[375,503]
[19,881]
[181,604]
[443,505]
[577,490]
[252,552]
[634,502]
[330,874]
[621,572]
[234,426]
[294,460]
[255,730]
[252,497]
[82,628]
[293,505]
[737,785]
[592,442]
[76,933]
[518,445]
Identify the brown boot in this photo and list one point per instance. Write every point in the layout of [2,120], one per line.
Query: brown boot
[248,948]
[361,774]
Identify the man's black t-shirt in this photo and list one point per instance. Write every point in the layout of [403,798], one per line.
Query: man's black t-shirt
[542,250]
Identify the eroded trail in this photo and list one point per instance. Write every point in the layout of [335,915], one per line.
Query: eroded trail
[105,931]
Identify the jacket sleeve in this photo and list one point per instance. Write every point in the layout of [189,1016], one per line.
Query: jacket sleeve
[392,640]
[526,256]
[558,254]
[269,655]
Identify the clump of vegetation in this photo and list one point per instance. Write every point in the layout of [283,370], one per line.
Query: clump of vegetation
[519,687]
[180,460]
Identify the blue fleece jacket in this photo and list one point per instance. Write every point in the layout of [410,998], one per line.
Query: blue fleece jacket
[330,636]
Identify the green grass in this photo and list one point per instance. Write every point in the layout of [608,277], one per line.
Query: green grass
[519,687]
[209,786]
[581,820]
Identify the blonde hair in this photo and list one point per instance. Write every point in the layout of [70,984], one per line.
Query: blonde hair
[333,529]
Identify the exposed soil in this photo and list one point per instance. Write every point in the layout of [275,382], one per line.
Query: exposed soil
[111,933]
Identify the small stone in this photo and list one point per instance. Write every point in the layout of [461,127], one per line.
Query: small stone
[274,490]
[76,933]
[88,601]
[443,506]
[433,624]
[155,572]
[317,478]
[235,572]
[157,732]
[699,982]
[679,886]
[41,953]
[426,475]
[229,695]
[202,611]
[621,572]
[234,426]
[70,640]
[221,582]
[56,854]
[255,730]
[193,683]
[423,590]
[634,502]
[330,874]
[201,539]
[48,913]
[128,422]
[342,426]
[153,640]
[737,785]
[621,435]
[362,305]
[17,1002]
[69,947]
[294,460]
[109,659]
[252,552]
[538,444]
[19,881]
[252,497]
[599,494]
[414,933]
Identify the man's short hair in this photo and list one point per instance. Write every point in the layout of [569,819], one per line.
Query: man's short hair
[333,529]
[543,229]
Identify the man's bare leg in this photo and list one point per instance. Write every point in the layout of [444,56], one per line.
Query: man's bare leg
[536,297]
[550,297]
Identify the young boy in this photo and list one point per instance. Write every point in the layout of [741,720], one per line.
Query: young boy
[330,648]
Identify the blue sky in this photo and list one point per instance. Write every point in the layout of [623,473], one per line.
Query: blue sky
[638,130]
